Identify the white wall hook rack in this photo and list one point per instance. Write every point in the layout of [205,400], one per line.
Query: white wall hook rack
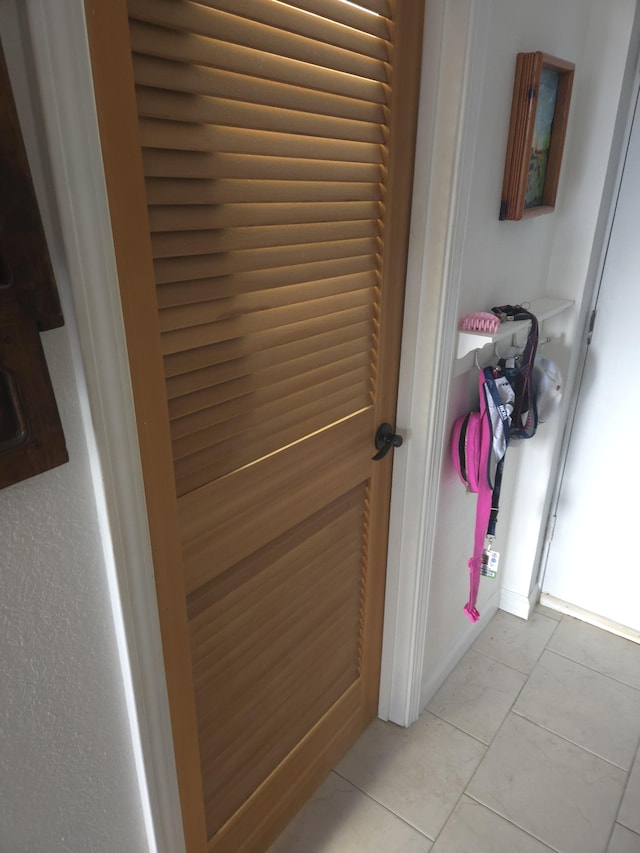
[542,308]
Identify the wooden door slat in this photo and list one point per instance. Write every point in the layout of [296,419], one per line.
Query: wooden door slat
[196,337]
[351,15]
[230,596]
[202,217]
[347,710]
[221,309]
[177,293]
[169,270]
[210,22]
[200,50]
[220,458]
[276,361]
[322,27]
[342,397]
[207,109]
[312,702]
[176,191]
[184,243]
[296,683]
[220,656]
[172,76]
[305,463]
[223,461]
[197,165]
[187,136]
[247,393]
[182,362]
[376,7]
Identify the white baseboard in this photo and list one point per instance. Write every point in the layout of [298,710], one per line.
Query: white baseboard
[518,604]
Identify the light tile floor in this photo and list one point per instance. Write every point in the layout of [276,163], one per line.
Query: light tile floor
[530,745]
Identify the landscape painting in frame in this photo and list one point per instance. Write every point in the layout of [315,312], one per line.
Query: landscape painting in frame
[539,115]
[539,158]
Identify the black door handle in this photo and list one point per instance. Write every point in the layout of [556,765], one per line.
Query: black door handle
[385,439]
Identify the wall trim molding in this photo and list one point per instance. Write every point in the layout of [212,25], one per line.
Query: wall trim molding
[62,71]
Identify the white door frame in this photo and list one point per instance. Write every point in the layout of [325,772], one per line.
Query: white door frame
[455,40]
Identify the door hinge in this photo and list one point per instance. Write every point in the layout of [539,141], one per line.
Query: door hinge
[592,323]
[551,527]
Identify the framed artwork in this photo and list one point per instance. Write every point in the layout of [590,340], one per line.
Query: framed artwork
[31,435]
[539,114]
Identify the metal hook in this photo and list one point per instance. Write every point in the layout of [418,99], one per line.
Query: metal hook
[475,358]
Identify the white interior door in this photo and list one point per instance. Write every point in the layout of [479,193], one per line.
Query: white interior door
[594,560]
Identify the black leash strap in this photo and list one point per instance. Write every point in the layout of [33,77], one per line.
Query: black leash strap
[492,388]
[524,419]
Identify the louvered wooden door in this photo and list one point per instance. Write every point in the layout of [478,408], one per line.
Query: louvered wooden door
[259,158]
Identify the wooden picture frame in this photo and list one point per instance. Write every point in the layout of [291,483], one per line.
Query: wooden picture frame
[539,115]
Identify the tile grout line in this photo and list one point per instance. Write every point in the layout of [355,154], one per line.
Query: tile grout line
[572,742]
[526,677]
[526,674]
[464,790]
[513,823]
[624,791]
[613,829]
[495,660]
[593,669]
[446,823]
[458,729]
[386,808]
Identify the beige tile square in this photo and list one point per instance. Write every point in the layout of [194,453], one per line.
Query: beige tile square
[623,841]
[630,808]
[418,773]
[341,819]
[477,696]
[516,642]
[472,828]
[577,703]
[598,649]
[550,788]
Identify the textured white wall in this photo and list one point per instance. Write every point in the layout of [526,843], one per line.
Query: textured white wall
[67,774]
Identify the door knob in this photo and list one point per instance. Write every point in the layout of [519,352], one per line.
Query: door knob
[385,439]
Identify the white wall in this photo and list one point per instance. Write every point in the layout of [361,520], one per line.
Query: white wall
[494,262]
[68,779]
[601,63]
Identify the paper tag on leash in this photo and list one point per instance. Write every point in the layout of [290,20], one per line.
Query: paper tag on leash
[489,566]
